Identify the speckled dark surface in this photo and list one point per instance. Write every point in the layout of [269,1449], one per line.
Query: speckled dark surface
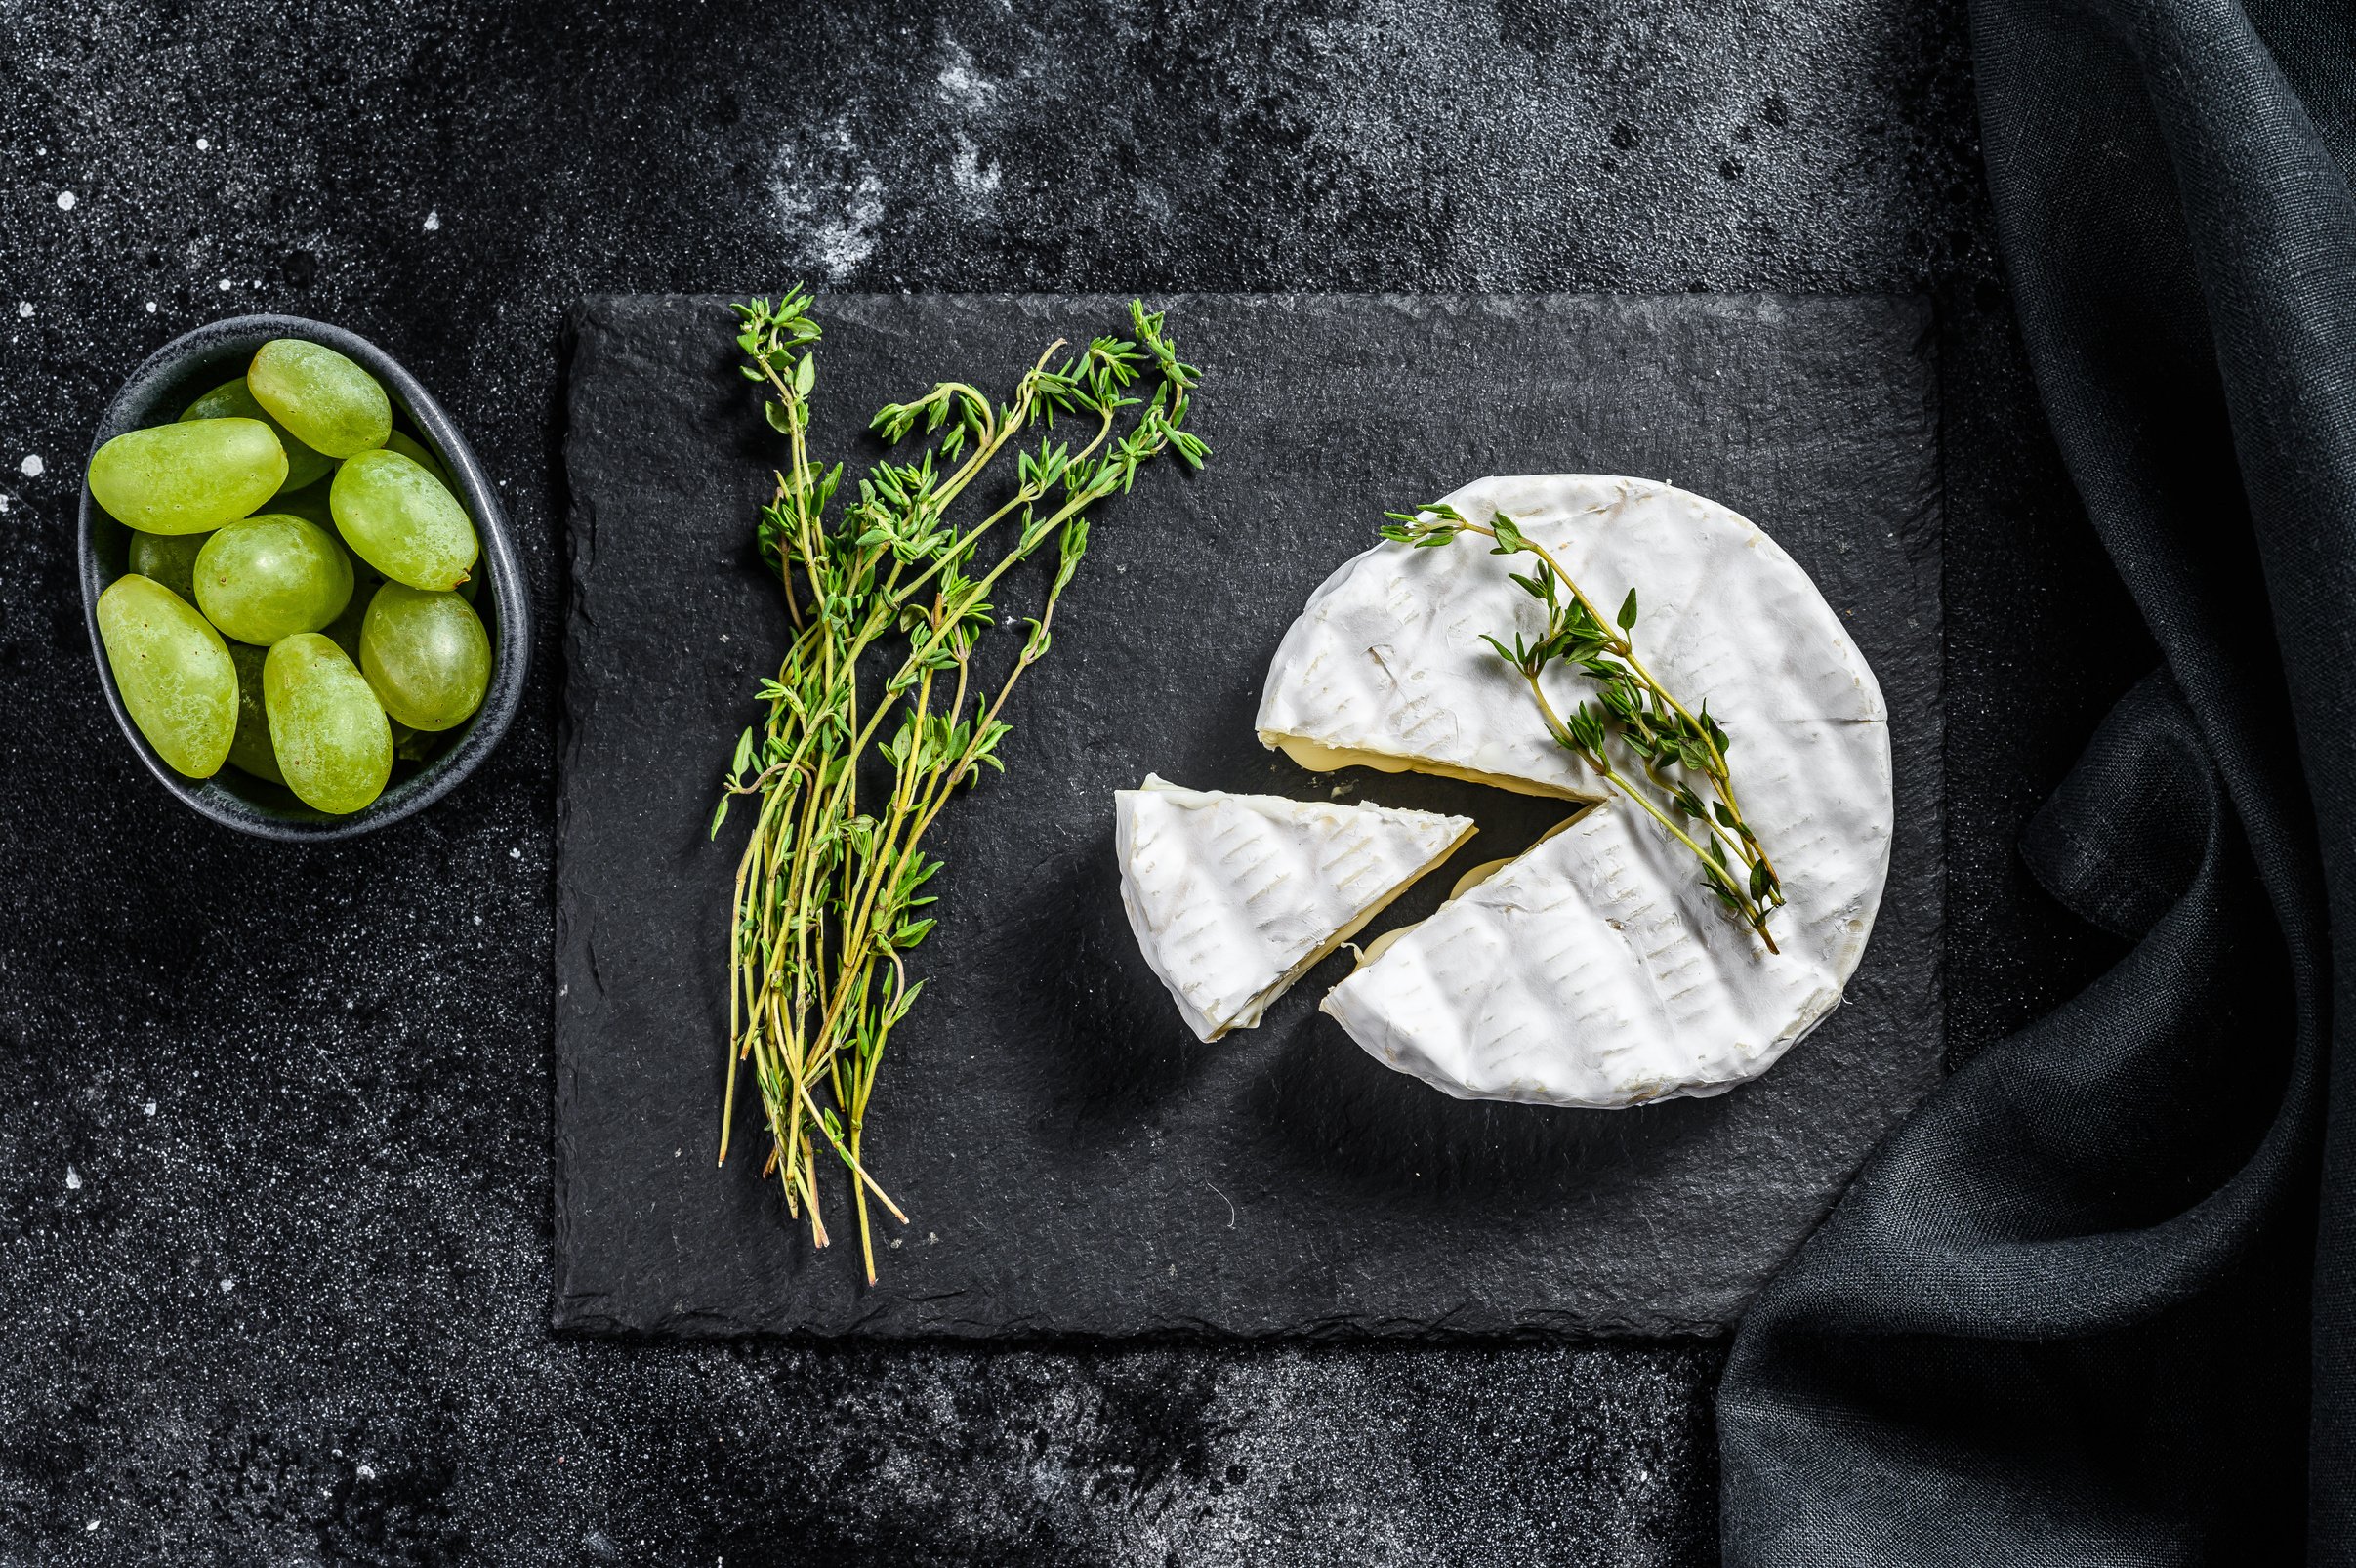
[296,1313]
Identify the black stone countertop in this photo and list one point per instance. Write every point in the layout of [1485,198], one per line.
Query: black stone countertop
[273,1124]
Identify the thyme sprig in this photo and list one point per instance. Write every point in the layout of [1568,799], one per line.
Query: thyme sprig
[846,771]
[1672,746]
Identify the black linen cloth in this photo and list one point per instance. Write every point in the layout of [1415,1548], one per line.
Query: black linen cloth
[2085,1305]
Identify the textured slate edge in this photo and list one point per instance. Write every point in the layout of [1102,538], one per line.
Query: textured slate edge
[568,951]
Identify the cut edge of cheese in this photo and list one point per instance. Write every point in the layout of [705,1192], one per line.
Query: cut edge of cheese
[1284,942]
[1472,877]
[1479,874]
[1334,943]
[1316,757]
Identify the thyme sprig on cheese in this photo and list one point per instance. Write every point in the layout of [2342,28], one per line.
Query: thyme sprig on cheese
[880,710]
[1672,746]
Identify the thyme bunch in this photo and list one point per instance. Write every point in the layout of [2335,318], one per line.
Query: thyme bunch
[1672,747]
[846,771]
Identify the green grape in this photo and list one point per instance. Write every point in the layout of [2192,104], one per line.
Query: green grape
[320,395]
[188,478]
[311,507]
[308,503]
[250,750]
[399,519]
[232,400]
[264,578]
[331,737]
[417,452]
[174,673]
[427,656]
[168,557]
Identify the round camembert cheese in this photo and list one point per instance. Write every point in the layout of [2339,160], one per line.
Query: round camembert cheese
[1597,969]
[1233,897]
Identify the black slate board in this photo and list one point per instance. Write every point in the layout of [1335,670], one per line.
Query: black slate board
[1075,1163]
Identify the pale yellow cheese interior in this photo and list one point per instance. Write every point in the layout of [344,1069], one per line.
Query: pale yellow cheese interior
[1482,872]
[1382,944]
[1319,758]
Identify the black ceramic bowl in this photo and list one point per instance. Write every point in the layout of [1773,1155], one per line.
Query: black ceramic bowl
[173,377]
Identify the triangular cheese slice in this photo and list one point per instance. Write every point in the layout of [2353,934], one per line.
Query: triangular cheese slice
[1596,969]
[1233,897]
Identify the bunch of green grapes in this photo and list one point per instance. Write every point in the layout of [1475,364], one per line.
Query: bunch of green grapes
[245,632]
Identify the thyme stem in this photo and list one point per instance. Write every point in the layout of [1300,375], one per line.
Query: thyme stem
[1631,705]
[830,897]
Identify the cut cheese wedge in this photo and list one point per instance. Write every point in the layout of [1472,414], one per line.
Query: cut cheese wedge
[1233,897]
[1596,969]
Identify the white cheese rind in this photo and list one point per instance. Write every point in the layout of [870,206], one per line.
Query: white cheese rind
[1233,897]
[1598,971]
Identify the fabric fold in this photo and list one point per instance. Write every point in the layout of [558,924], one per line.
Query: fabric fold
[2078,1307]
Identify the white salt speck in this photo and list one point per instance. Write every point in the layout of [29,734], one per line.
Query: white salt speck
[366,1472]
[967,170]
[433,220]
[92,1525]
[150,307]
[66,201]
[840,245]
[478,920]
[227,1285]
[962,86]
[32,466]
[74,1179]
[225,285]
[515,854]
[24,307]
[3,503]
[149,1107]
[202,146]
